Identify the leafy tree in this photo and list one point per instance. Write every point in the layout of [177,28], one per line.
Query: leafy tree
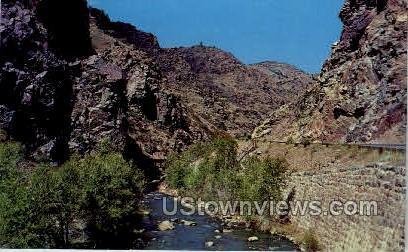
[110,199]
[211,170]
[43,209]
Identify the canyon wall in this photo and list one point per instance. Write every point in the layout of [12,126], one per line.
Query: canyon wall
[361,92]
[58,98]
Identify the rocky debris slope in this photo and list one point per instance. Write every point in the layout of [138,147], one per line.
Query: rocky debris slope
[361,93]
[56,102]
[227,94]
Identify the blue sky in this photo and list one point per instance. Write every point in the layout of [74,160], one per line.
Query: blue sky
[298,32]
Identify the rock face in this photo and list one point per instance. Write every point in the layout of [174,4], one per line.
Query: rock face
[156,120]
[35,85]
[125,32]
[57,103]
[71,79]
[114,83]
[361,93]
[226,94]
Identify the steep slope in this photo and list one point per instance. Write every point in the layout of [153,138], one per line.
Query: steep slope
[361,93]
[232,96]
[57,101]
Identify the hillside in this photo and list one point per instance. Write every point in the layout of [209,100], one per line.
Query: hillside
[115,83]
[361,92]
[230,95]
[224,94]
[58,101]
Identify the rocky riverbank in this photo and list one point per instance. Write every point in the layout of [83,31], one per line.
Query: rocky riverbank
[202,231]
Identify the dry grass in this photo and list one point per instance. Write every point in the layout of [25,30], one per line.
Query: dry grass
[317,156]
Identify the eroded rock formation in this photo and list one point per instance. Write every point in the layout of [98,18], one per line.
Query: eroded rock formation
[57,103]
[361,93]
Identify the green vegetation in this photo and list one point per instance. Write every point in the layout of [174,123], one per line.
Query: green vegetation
[290,140]
[203,166]
[211,170]
[263,179]
[310,242]
[88,202]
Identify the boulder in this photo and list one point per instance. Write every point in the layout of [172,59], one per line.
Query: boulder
[188,223]
[209,244]
[165,226]
[253,238]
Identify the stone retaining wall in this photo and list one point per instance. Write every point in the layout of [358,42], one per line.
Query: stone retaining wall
[378,182]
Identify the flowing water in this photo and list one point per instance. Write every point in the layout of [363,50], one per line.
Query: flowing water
[184,237]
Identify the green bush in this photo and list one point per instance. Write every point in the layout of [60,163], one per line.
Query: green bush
[54,205]
[101,191]
[14,199]
[263,179]
[111,189]
[211,170]
[200,163]
[10,156]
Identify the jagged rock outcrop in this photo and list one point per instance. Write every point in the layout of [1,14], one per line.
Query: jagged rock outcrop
[35,85]
[57,103]
[157,121]
[125,32]
[361,93]
[66,89]
[230,96]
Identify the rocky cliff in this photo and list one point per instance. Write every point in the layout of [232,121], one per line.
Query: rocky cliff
[56,100]
[71,78]
[361,92]
[64,89]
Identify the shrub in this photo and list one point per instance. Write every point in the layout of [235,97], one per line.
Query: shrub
[10,155]
[306,141]
[101,191]
[54,206]
[14,206]
[263,179]
[310,242]
[111,189]
[14,198]
[211,169]
[192,168]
